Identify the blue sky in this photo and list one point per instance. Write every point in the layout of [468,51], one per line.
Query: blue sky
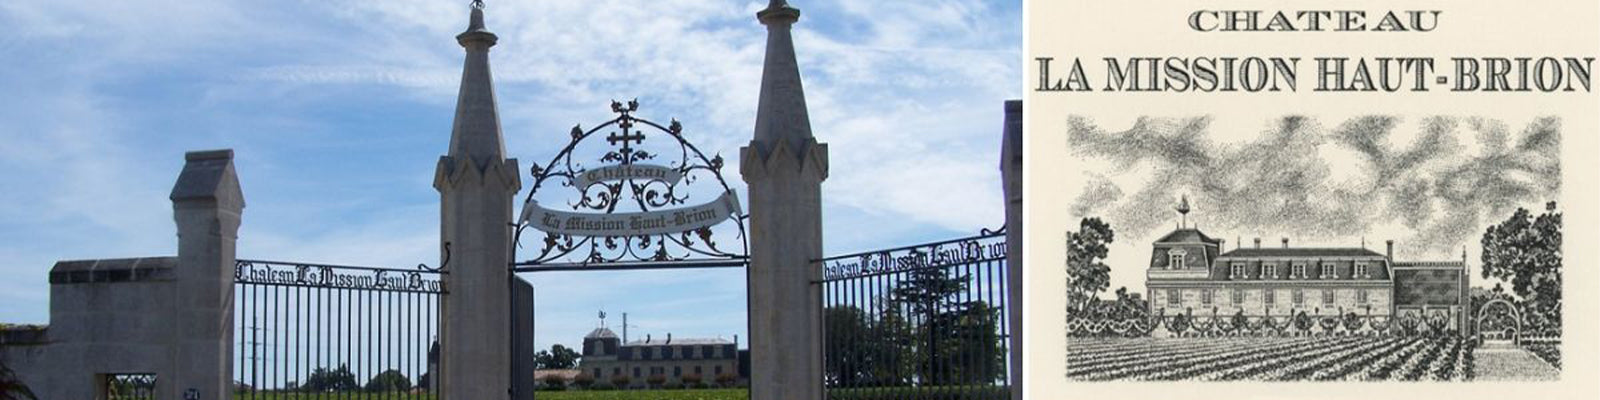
[337,112]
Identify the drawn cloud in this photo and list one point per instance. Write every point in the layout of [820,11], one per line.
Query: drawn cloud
[1439,186]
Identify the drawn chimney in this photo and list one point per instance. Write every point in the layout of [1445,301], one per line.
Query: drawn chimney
[1285,243]
[1258,243]
[1222,244]
[1390,244]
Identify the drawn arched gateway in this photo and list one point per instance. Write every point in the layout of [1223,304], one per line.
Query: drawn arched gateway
[1499,320]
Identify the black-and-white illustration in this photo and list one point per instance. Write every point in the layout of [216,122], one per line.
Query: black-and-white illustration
[1437,259]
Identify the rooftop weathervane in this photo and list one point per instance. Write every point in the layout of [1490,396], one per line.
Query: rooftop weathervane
[1183,208]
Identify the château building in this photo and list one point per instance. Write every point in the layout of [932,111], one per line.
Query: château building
[605,356]
[1191,272]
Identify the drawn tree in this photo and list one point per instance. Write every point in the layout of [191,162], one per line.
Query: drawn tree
[1525,250]
[1087,272]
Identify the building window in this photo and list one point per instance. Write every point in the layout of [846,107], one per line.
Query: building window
[636,372]
[1174,296]
[1361,296]
[614,372]
[597,373]
[649,353]
[1175,258]
[1361,270]
[677,371]
[1238,296]
[719,370]
[1237,272]
[1328,271]
[706,351]
[1269,271]
[1327,296]
[1298,271]
[1205,296]
[666,353]
[1269,296]
[697,370]
[1299,296]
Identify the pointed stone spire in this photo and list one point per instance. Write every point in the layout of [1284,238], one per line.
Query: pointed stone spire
[781,113]
[476,132]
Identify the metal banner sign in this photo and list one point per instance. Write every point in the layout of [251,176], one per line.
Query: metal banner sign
[328,276]
[647,198]
[627,171]
[933,255]
[634,223]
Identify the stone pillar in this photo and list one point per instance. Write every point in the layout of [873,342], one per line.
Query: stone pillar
[1011,178]
[522,350]
[476,185]
[206,204]
[784,167]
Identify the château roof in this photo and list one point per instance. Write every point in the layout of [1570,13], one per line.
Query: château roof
[601,333]
[680,342]
[1302,252]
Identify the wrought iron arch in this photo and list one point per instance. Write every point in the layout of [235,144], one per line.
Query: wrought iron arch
[625,134]
[1516,319]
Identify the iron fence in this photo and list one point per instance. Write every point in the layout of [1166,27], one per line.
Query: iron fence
[130,387]
[918,322]
[335,332]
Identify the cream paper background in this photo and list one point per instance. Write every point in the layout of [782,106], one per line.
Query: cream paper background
[1107,28]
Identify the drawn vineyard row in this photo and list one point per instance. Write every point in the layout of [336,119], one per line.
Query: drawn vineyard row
[1340,358]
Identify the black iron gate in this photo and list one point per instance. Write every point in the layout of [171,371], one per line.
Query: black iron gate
[331,331]
[918,322]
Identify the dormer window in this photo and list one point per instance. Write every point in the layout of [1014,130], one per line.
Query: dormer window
[1175,258]
[1328,271]
[1237,272]
[1361,270]
[1298,271]
[1269,271]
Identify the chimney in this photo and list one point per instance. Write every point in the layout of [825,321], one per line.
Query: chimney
[1258,243]
[1285,243]
[1390,244]
[1222,244]
[647,338]
[735,342]
[669,338]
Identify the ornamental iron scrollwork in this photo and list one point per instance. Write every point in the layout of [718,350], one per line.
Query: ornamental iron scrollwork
[627,205]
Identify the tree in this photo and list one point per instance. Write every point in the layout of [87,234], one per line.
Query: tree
[389,381]
[324,380]
[11,387]
[1526,251]
[620,381]
[846,331]
[558,357]
[1087,272]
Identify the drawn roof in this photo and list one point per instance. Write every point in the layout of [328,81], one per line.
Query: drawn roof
[1302,252]
[1187,235]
